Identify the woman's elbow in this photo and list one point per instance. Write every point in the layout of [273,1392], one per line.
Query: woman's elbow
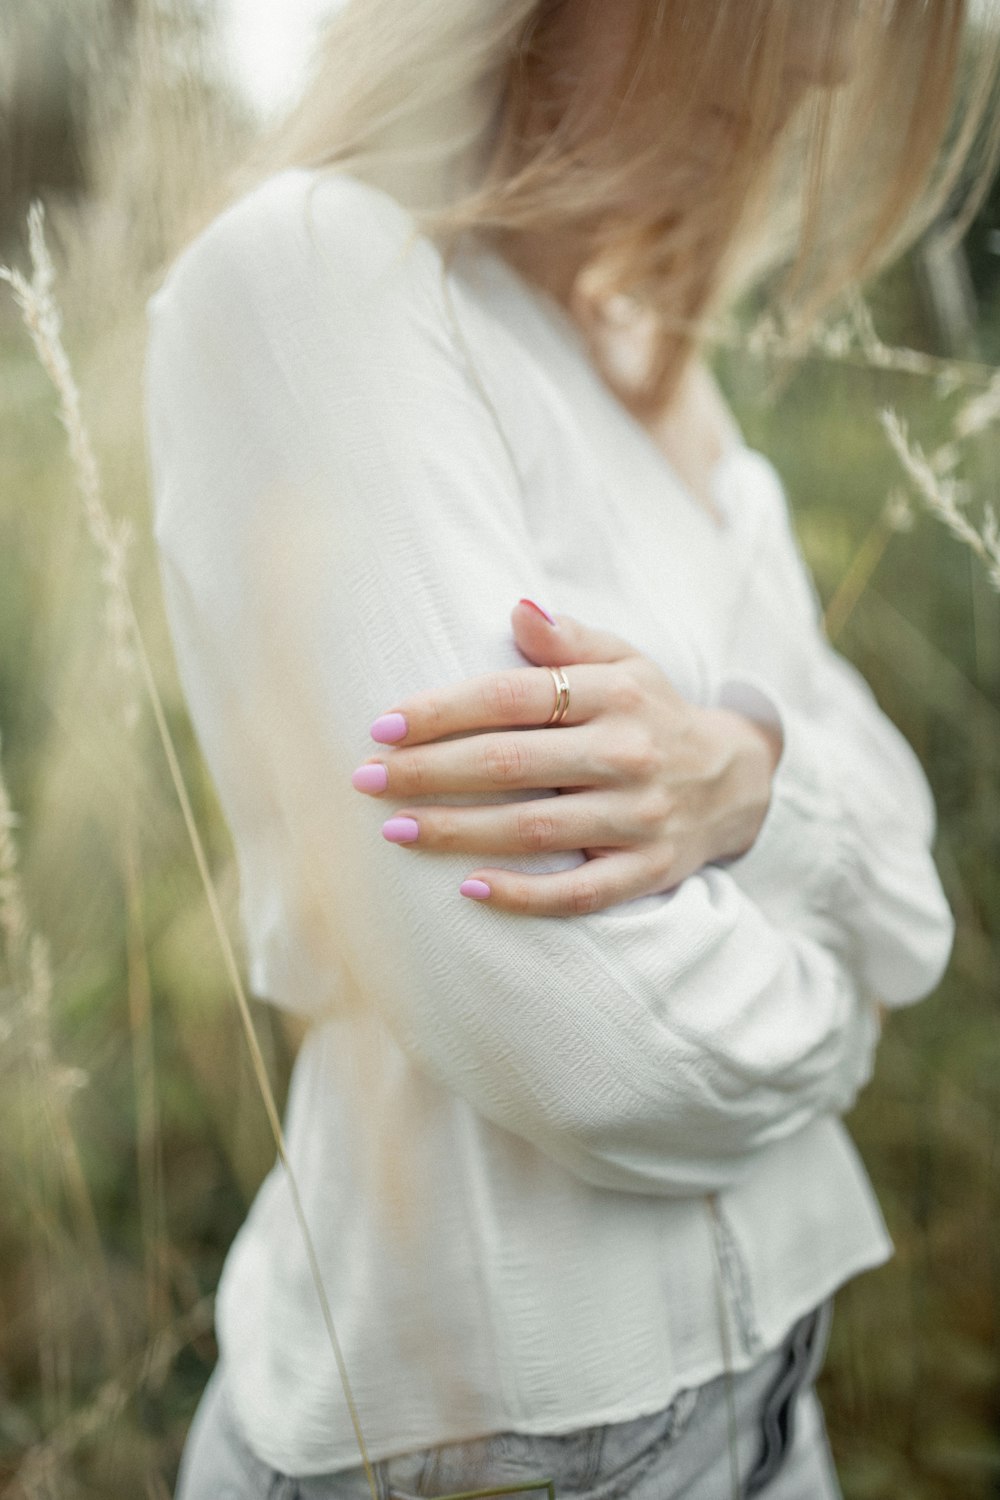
[911,968]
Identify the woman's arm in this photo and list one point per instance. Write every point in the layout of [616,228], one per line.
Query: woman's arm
[338,521]
[849,799]
[846,769]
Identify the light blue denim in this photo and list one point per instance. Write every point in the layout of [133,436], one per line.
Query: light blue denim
[683,1452]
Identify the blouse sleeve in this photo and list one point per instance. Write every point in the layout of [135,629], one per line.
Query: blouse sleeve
[338,525]
[852,818]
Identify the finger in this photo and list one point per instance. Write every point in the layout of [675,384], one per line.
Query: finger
[603,882]
[571,641]
[522,697]
[540,826]
[546,759]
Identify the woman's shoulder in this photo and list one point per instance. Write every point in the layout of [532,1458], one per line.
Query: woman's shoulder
[296,223]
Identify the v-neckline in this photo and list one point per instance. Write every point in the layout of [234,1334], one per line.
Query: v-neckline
[563,324]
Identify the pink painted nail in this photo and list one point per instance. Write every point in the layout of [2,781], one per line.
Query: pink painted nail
[532,605]
[401,830]
[477,889]
[370,778]
[388,728]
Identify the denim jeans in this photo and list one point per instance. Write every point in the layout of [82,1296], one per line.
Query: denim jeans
[760,1432]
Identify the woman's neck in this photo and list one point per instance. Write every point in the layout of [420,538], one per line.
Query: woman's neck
[549,260]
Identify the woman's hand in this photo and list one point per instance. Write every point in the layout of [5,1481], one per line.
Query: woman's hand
[655,786]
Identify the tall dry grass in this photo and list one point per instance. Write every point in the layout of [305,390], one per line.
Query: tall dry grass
[133,1128]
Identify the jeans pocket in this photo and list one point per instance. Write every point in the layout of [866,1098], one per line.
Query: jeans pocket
[628,1449]
[594,1463]
[500,1459]
[805,1350]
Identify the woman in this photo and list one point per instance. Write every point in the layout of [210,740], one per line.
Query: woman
[577,1191]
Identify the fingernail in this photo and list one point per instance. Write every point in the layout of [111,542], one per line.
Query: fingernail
[401,830]
[544,612]
[371,778]
[477,889]
[388,728]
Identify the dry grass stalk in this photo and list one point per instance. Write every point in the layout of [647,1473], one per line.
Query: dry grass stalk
[110,1400]
[28,963]
[896,515]
[944,496]
[849,340]
[152,1207]
[112,539]
[980,412]
[17,944]
[56,1085]
[13,912]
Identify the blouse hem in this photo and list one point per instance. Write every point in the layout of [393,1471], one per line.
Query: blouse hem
[334,1462]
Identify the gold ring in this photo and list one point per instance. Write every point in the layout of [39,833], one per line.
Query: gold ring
[562,696]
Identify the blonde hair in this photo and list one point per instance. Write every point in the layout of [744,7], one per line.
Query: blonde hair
[432,101]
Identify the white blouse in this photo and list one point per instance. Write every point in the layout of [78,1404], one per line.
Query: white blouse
[528,1147]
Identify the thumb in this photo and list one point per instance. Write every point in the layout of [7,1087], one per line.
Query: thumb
[567,640]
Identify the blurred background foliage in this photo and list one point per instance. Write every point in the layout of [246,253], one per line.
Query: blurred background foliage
[132,1136]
